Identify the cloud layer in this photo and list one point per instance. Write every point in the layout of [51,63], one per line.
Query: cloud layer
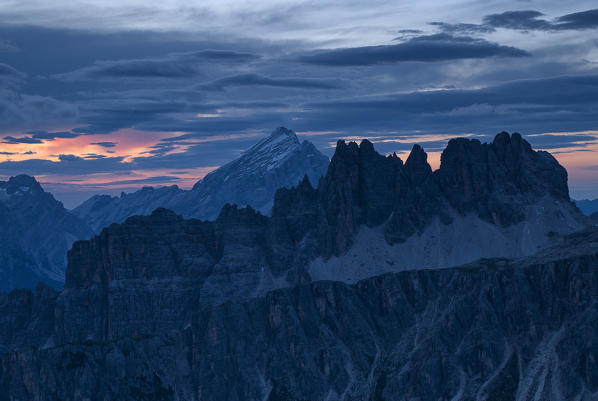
[427,48]
[139,99]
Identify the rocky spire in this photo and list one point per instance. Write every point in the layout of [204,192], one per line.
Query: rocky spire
[416,166]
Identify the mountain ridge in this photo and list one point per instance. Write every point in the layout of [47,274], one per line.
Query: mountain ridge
[278,160]
[587,206]
[362,191]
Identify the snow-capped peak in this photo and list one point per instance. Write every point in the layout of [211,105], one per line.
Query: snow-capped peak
[270,151]
[281,140]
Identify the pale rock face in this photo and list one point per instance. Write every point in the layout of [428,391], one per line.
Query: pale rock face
[466,239]
[280,160]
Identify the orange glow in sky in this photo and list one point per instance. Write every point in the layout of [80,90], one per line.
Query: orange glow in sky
[580,160]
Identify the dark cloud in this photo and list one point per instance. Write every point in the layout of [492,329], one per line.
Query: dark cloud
[12,140]
[67,53]
[222,55]
[20,112]
[50,136]
[429,48]
[107,115]
[8,153]
[162,179]
[556,141]
[462,28]
[220,125]
[69,158]
[204,154]
[519,20]
[249,105]
[260,80]
[93,156]
[105,144]
[565,102]
[580,20]
[36,137]
[570,90]
[67,165]
[485,109]
[173,65]
[405,34]
[524,20]
[409,31]
[134,69]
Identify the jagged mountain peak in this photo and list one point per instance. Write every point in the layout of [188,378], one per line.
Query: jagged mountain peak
[417,166]
[504,139]
[265,155]
[280,135]
[508,165]
[500,183]
[368,207]
[353,154]
[277,160]
[21,184]
[271,150]
[283,131]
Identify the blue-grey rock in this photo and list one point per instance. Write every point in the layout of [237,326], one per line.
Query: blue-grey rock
[35,233]
[277,161]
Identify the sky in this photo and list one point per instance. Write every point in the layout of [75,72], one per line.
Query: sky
[109,96]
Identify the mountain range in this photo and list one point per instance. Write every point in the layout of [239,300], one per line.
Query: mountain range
[370,214]
[37,231]
[348,290]
[279,160]
[587,206]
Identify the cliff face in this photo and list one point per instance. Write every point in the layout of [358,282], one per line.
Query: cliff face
[496,329]
[503,186]
[493,179]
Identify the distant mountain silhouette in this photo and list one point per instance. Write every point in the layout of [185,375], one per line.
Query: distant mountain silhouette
[587,206]
[279,160]
[35,233]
